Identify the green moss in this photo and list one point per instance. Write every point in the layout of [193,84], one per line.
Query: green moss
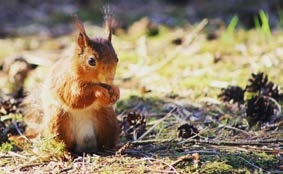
[252,161]
[6,147]
[216,168]
[264,160]
[48,148]
[239,162]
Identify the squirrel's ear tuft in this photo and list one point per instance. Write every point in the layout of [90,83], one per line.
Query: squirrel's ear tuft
[82,37]
[109,33]
[108,19]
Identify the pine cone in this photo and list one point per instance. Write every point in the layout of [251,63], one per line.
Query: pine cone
[259,109]
[3,135]
[9,105]
[133,125]
[256,82]
[271,90]
[187,131]
[259,83]
[232,93]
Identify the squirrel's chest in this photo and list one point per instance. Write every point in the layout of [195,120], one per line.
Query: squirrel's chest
[83,131]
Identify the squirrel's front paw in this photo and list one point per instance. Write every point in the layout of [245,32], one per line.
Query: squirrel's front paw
[114,93]
[107,94]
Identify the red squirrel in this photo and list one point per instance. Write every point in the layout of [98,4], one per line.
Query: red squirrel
[75,102]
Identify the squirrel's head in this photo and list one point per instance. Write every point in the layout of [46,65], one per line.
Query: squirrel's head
[95,59]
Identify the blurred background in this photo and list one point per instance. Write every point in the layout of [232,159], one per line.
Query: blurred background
[26,17]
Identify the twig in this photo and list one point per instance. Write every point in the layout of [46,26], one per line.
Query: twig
[157,123]
[137,153]
[231,148]
[213,142]
[253,165]
[192,137]
[242,142]
[20,132]
[122,149]
[16,154]
[31,165]
[143,142]
[162,162]
[17,127]
[158,171]
[181,159]
[196,31]
[233,128]
[64,170]
[276,103]
[83,164]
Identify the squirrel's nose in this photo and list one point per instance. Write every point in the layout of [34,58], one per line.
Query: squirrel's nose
[109,80]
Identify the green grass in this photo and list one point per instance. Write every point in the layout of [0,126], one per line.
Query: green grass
[228,36]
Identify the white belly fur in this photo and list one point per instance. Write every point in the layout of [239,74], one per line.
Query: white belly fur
[83,130]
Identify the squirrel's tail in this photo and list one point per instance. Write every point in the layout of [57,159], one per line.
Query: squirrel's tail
[33,113]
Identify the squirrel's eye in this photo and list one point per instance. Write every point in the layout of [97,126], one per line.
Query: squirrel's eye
[91,61]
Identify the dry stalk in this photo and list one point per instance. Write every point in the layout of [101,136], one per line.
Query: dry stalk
[240,142]
[123,149]
[151,141]
[172,168]
[181,159]
[251,164]
[23,167]
[234,128]
[191,139]
[16,154]
[156,124]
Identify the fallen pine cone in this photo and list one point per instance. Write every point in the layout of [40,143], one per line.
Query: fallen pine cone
[133,125]
[186,131]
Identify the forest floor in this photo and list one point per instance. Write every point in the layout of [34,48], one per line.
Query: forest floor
[177,112]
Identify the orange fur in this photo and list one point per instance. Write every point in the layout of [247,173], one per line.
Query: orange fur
[75,101]
[103,132]
[60,126]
